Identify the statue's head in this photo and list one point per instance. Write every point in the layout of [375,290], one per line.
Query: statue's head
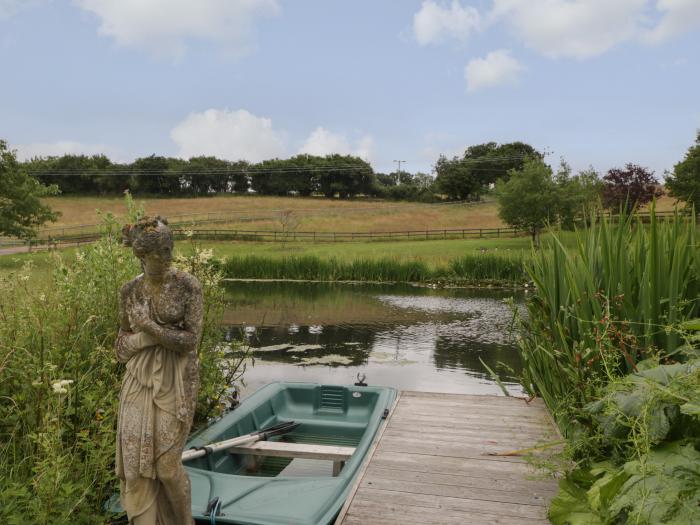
[152,242]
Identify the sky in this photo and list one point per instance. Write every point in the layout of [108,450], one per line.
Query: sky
[596,82]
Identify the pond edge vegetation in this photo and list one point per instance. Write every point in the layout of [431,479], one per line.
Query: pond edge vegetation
[610,343]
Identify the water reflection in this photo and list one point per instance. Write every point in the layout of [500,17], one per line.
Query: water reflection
[399,335]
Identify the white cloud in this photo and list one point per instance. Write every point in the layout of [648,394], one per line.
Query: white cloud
[678,17]
[497,68]
[164,26]
[435,22]
[572,28]
[58,148]
[233,135]
[322,142]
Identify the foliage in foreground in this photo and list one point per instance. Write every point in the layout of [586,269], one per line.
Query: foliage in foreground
[642,442]
[609,347]
[59,382]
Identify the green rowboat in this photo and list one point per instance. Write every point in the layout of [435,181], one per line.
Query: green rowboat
[302,477]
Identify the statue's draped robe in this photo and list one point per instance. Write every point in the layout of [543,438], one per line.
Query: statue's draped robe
[158,394]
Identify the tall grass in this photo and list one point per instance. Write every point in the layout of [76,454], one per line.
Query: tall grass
[618,298]
[476,267]
[59,381]
[489,266]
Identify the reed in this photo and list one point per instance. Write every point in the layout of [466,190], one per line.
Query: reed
[490,266]
[617,298]
[477,267]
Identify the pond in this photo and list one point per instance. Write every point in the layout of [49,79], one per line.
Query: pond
[408,337]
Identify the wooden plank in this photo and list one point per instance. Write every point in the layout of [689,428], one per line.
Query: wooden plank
[495,422]
[295,450]
[523,414]
[372,513]
[478,467]
[511,440]
[502,403]
[514,485]
[433,501]
[471,399]
[457,491]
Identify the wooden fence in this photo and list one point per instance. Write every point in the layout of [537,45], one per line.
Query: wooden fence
[283,236]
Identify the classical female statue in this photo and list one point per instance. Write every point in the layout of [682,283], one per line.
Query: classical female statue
[160,316]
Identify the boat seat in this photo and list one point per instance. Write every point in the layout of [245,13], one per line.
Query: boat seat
[338,455]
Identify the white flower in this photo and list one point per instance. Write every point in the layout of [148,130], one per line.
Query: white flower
[59,387]
[80,256]
[205,255]
[42,297]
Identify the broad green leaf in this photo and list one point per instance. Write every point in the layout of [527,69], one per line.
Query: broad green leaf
[570,506]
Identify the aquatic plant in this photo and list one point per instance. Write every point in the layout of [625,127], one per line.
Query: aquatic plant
[490,266]
[494,267]
[615,299]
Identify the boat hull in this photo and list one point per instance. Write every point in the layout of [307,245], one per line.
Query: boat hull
[276,491]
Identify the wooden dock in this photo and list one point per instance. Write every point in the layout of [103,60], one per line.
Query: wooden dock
[430,465]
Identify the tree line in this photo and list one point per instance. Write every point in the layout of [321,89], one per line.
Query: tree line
[515,172]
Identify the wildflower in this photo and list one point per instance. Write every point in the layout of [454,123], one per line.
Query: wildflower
[205,255]
[80,257]
[59,387]
[24,278]
[42,298]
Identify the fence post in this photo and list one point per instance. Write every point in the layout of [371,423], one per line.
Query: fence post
[479,233]
[444,234]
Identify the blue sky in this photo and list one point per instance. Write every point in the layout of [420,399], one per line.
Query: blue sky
[597,82]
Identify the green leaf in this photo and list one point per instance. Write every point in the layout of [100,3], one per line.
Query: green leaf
[607,487]
[692,324]
[690,409]
[570,506]
[663,487]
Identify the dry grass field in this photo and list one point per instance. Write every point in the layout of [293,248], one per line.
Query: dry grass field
[292,213]
[301,214]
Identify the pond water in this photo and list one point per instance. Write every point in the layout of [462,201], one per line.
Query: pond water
[407,337]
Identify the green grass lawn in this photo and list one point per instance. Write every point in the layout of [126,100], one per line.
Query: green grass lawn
[432,252]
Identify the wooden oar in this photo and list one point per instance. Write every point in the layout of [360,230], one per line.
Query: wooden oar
[258,435]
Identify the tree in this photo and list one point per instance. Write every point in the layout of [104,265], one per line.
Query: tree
[684,182]
[478,169]
[21,209]
[530,198]
[628,188]
[578,194]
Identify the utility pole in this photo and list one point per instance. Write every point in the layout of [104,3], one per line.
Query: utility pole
[398,171]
